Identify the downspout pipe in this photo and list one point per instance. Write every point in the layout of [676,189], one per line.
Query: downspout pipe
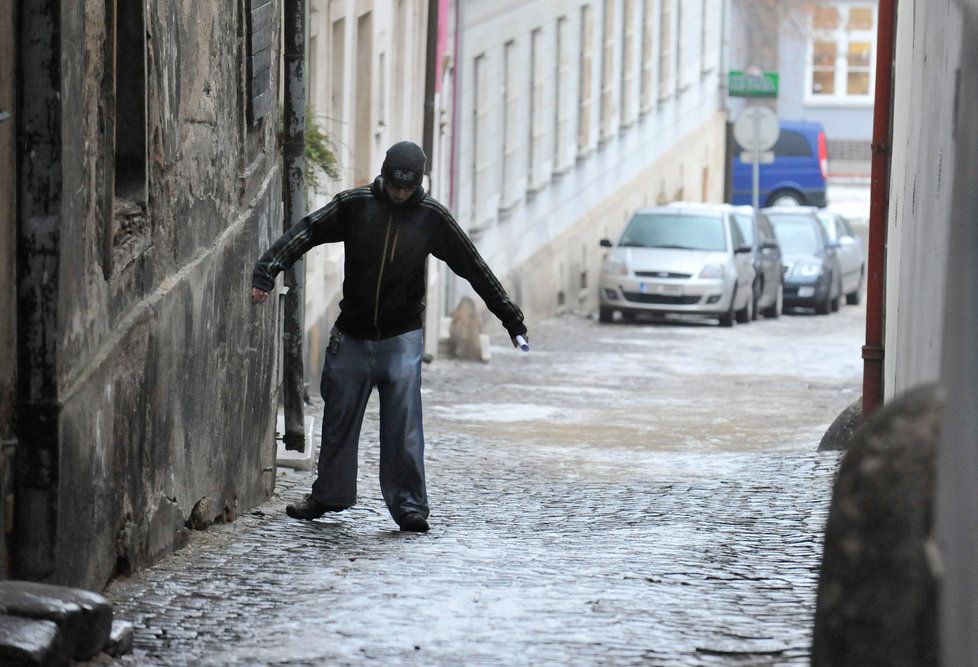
[294,204]
[879,190]
[430,83]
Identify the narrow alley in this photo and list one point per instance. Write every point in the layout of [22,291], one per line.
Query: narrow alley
[623,493]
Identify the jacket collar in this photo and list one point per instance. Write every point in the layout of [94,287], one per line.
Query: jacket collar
[377,187]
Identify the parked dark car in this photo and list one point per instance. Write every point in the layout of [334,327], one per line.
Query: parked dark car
[798,173]
[812,272]
[852,254]
[766,253]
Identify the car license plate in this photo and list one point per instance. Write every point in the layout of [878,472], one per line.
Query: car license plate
[656,288]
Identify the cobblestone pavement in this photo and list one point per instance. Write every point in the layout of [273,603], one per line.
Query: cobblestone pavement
[622,494]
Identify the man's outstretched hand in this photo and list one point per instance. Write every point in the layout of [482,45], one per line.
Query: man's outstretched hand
[258,295]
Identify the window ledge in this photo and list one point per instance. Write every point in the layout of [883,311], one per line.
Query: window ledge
[839,102]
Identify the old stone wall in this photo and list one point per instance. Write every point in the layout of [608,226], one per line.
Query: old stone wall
[165,372]
[8,255]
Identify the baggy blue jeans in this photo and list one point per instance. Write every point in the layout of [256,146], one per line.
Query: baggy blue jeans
[393,365]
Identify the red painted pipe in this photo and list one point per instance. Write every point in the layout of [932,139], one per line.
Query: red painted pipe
[879,192]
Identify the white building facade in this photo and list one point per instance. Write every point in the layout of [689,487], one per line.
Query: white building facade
[570,115]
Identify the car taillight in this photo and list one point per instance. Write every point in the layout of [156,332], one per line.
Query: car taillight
[823,156]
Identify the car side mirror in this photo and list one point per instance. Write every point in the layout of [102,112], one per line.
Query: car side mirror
[743,249]
[834,245]
[770,244]
[606,243]
[847,241]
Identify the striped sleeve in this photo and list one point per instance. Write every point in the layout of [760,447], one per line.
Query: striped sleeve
[455,248]
[322,226]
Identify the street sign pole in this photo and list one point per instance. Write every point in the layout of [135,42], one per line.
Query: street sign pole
[756,131]
[756,160]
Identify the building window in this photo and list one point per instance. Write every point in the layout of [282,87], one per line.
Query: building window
[337,84]
[628,63]
[608,78]
[261,38]
[842,53]
[126,222]
[537,81]
[480,137]
[648,55]
[710,40]
[381,91]
[511,123]
[665,50]
[584,89]
[563,138]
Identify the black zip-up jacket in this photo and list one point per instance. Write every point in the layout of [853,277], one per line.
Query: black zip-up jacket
[386,245]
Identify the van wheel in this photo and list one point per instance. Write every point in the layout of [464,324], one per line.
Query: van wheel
[786,198]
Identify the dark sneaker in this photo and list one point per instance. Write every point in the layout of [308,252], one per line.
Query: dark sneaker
[413,522]
[308,508]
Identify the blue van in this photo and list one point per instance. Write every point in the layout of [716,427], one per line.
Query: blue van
[797,175]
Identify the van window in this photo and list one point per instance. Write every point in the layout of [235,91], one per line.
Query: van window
[792,144]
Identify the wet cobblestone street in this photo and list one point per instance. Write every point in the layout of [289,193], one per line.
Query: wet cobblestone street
[623,494]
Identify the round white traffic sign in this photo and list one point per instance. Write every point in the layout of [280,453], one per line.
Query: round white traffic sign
[757,129]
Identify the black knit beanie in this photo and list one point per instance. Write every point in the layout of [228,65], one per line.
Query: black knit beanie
[404,165]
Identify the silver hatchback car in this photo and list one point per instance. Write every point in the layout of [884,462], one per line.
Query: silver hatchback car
[688,259]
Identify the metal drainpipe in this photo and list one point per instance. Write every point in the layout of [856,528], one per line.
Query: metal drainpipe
[431,69]
[294,200]
[878,207]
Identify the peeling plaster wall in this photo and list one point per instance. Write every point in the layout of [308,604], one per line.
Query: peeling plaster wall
[8,252]
[920,191]
[166,372]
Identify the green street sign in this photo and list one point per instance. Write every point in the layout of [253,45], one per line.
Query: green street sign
[762,84]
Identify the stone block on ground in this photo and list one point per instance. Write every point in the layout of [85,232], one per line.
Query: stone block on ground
[465,331]
[84,619]
[877,589]
[30,641]
[120,639]
[843,429]
[292,459]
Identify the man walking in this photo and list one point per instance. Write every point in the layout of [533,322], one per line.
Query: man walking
[388,229]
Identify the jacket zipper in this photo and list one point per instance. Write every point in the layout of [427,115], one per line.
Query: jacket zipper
[380,276]
[394,247]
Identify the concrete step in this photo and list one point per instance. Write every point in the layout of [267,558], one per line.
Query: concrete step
[84,619]
[30,641]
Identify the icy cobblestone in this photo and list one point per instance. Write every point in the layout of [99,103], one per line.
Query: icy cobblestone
[596,501]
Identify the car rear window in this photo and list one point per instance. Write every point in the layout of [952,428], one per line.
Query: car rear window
[796,233]
[685,232]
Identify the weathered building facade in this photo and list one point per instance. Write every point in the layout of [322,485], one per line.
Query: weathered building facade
[147,184]
[571,115]
[8,260]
